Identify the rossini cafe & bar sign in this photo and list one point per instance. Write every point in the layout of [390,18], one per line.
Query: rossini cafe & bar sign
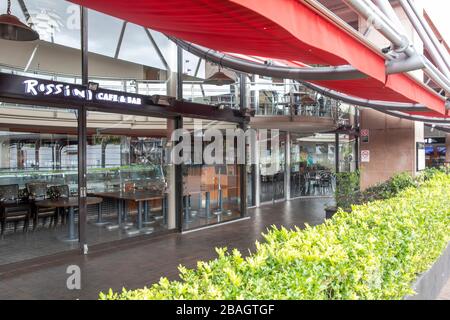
[35,87]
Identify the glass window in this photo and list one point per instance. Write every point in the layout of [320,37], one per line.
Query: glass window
[312,165]
[272,164]
[347,161]
[37,164]
[136,47]
[104,33]
[211,191]
[55,21]
[127,169]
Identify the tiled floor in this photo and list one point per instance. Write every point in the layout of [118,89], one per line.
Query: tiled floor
[137,265]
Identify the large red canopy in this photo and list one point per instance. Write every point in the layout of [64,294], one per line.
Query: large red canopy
[279,29]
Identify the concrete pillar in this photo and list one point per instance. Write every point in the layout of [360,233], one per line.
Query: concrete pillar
[391,144]
[447,146]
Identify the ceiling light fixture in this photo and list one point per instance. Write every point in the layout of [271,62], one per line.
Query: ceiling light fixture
[219,79]
[11,28]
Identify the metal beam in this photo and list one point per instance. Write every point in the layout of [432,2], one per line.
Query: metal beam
[443,121]
[288,72]
[179,73]
[12,90]
[158,51]
[119,42]
[370,12]
[429,33]
[405,65]
[345,72]
[382,105]
[386,7]
[429,45]
[25,11]
[178,181]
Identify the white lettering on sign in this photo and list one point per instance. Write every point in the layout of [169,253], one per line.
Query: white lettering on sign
[111,97]
[35,88]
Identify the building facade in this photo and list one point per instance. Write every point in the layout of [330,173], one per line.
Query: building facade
[133,188]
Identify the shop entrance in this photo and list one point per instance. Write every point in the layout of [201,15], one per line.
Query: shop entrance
[273,167]
[132,187]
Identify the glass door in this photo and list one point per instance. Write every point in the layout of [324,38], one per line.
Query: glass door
[272,166]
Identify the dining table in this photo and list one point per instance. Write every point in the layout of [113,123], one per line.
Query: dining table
[69,203]
[141,197]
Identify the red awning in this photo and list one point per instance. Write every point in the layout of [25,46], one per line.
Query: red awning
[280,29]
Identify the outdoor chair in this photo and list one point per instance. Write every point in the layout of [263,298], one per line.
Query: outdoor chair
[325,182]
[38,191]
[12,209]
[62,191]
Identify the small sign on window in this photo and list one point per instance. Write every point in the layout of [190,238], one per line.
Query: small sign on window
[365,155]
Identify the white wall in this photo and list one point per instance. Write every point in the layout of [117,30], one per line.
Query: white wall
[55,58]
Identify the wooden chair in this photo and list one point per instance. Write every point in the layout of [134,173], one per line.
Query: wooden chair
[12,209]
[38,191]
[63,192]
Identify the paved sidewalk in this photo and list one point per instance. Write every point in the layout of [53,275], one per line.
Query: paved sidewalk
[137,265]
[144,263]
[445,293]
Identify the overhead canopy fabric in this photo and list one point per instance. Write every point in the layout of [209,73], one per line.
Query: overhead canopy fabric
[280,29]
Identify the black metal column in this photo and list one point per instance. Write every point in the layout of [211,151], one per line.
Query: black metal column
[179,167]
[82,136]
[357,139]
[243,178]
[243,167]
[178,184]
[336,151]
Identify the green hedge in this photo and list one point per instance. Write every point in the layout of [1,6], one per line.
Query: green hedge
[374,252]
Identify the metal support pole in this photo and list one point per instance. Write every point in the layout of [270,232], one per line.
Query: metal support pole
[243,175]
[420,23]
[242,91]
[357,139]
[158,51]
[243,167]
[82,137]
[336,151]
[179,125]
[178,185]
[257,177]
[179,73]
[119,43]
[368,10]
[287,171]
[433,50]
[387,9]
[208,204]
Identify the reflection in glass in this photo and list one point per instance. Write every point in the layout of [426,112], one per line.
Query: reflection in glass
[272,167]
[127,168]
[37,163]
[136,47]
[211,192]
[312,165]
